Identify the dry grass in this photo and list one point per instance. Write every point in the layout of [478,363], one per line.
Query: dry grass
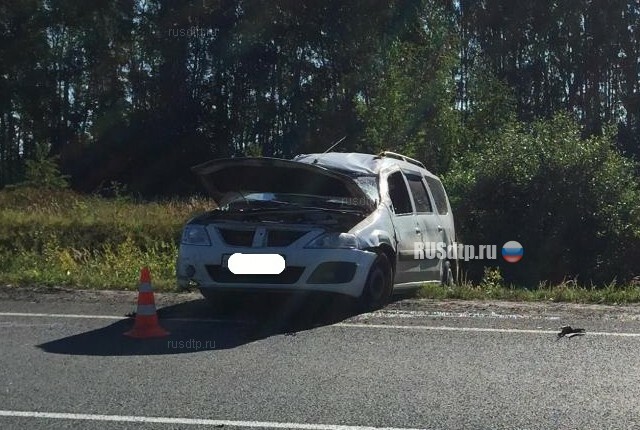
[65,239]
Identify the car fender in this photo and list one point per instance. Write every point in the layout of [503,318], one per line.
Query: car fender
[376,230]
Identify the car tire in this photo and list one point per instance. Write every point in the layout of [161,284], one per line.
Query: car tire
[448,278]
[378,287]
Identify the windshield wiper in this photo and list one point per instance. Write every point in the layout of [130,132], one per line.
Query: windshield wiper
[266,205]
[356,208]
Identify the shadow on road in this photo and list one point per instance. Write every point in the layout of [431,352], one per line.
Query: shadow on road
[195,326]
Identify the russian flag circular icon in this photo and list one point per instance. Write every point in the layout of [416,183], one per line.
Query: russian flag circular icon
[512,251]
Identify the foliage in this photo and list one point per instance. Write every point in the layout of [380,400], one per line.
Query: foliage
[571,202]
[492,107]
[408,108]
[44,173]
[62,238]
[137,92]
[492,278]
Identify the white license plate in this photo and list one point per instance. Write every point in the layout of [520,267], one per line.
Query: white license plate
[225,260]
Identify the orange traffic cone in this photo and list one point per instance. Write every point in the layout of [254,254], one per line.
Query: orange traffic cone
[146,324]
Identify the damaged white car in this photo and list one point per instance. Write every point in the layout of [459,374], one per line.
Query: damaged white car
[344,223]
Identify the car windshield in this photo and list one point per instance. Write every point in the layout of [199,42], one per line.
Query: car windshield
[368,184]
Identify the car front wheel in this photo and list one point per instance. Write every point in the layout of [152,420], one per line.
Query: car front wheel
[377,289]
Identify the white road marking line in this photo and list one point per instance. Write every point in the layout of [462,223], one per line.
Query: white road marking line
[352,325]
[412,314]
[398,313]
[477,329]
[115,317]
[36,315]
[189,421]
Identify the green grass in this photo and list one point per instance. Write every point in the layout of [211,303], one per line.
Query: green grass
[54,238]
[60,238]
[491,288]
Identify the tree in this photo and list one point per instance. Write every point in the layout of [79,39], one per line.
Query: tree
[410,108]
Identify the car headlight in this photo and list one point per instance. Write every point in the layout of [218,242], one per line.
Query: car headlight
[195,235]
[334,241]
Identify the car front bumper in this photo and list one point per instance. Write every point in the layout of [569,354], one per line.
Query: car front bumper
[342,271]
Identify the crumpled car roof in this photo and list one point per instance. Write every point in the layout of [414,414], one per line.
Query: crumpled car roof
[363,164]
[353,163]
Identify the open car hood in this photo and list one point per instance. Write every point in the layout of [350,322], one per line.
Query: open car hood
[275,175]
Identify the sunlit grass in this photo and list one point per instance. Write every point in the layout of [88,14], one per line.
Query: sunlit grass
[60,238]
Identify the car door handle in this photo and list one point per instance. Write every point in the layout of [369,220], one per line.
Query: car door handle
[440,228]
[418,230]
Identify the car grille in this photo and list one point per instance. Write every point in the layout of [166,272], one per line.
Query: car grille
[289,275]
[275,237]
[283,237]
[236,237]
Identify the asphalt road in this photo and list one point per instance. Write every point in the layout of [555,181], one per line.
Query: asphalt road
[64,363]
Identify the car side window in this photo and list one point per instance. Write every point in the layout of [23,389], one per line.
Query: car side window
[399,194]
[419,193]
[439,195]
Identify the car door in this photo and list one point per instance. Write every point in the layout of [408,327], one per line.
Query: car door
[442,208]
[428,221]
[407,231]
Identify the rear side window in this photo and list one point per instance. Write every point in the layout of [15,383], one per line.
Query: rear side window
[420,195]
[439,196]
[398,194]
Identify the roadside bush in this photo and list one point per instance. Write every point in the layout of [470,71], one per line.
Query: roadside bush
[573,203]
[44,173]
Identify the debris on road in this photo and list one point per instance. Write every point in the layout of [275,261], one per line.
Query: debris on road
[568,331]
